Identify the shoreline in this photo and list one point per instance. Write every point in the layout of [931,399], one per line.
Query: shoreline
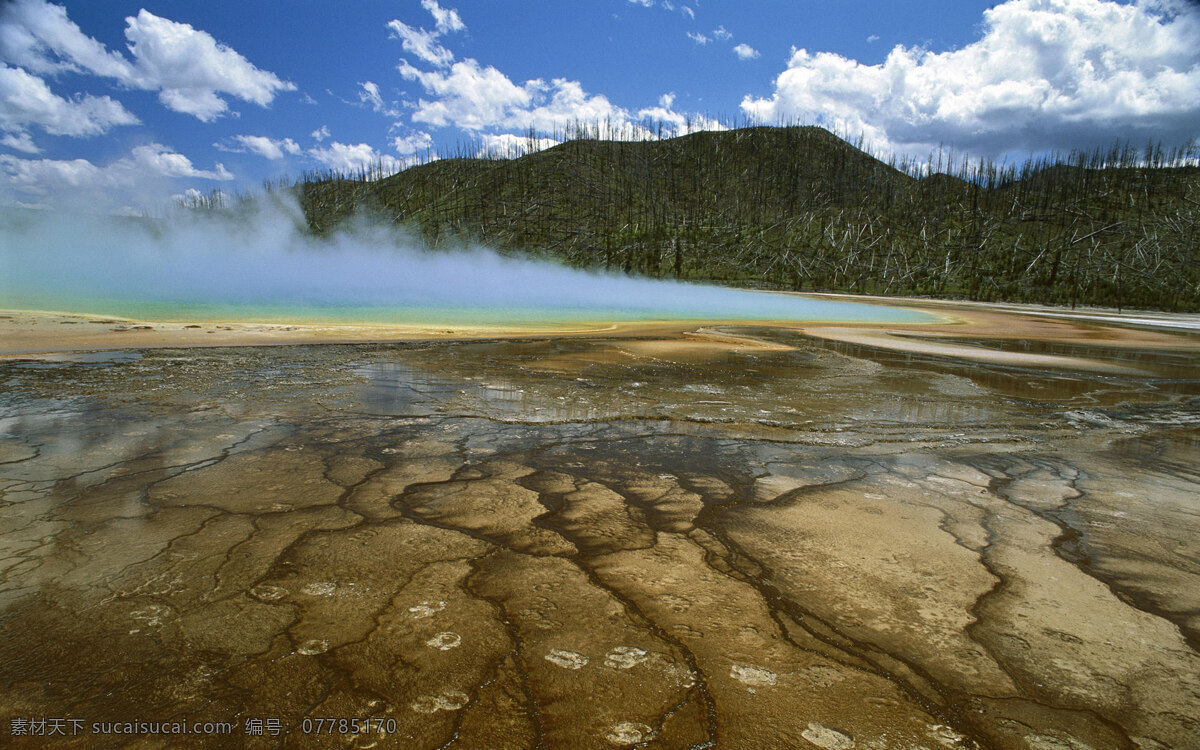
[1108,315]
[28,334]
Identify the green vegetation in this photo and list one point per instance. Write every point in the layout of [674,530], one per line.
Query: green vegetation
[798,208]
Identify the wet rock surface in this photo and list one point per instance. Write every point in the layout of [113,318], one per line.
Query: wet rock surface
[602,543]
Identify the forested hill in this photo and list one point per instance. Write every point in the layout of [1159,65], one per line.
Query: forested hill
[799,208]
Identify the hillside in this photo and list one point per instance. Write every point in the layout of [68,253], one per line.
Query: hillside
[798,208]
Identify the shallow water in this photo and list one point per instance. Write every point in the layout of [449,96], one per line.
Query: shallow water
[601,543]
[647,302]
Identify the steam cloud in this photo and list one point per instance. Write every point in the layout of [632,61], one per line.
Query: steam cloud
[225,265]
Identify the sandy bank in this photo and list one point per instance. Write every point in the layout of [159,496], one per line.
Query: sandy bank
[26,333]
[963,330]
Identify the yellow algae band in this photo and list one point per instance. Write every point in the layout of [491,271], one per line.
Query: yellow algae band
[688,302]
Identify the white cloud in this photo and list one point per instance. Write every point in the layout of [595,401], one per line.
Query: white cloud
[190,69]
[410,144]
[191,196]
[508,145]
[20,142]
[561,103]
[26,100]
[643,3]
[42,176]
[270,148]
[477,98]
[698,38]
[320,134]
[157,159]
[468,96]
[369,95]
[141,172]
[685,10]
[677,123]
[721,33]
[1044,74]
[446,19]
[421,43]
[745,52]
[873,38]
[485,101]
[38,36]
[343,157]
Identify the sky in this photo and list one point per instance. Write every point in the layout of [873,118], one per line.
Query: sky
[118,106]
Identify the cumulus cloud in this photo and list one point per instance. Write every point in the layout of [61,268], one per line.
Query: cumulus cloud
[19,142]
[407,145]
[39,37]
[270,148]
[482,99]
[320,134]
[468,96]
[157,159]
[721,33]
[189,196]
[746,52]
[135,178]
[677,123]
[191,70]
[509,145]
[344,157]
[42,176]
[643,3]
[698,38]
[1044,74]
[474,97]
[26,100]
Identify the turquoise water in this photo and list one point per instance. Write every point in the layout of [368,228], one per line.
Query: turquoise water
[701,304]
[264,268]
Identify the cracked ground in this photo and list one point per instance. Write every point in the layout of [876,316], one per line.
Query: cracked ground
[557,543]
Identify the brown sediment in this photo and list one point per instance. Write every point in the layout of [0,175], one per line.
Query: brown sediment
[977,332]
[927,343]
[27,333]
[744,537]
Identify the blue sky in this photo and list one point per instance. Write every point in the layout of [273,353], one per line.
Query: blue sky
[119,105]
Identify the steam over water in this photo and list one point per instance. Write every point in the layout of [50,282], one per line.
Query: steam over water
[263,266]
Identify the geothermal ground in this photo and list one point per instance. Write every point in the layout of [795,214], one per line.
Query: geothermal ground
[752,537]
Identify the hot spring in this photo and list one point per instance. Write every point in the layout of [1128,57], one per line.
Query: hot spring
[263,267]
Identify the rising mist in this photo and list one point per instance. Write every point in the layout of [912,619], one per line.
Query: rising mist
[264,257]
